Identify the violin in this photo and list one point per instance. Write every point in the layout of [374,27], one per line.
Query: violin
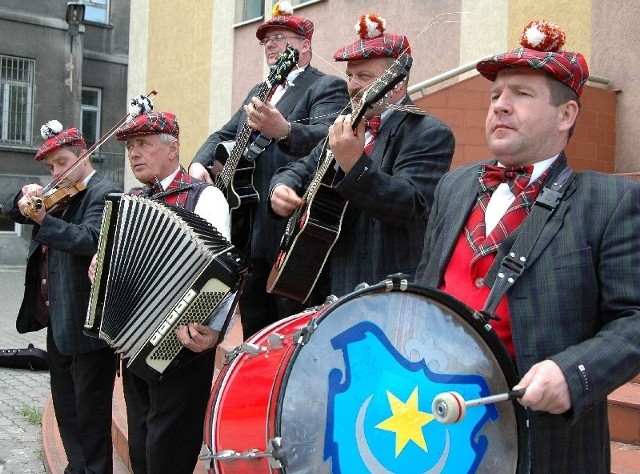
[58,198]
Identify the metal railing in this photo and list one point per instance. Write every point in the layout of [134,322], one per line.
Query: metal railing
[422,87]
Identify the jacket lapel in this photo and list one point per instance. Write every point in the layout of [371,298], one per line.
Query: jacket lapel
[294,92]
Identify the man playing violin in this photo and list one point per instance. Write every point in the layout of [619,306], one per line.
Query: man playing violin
[56,296]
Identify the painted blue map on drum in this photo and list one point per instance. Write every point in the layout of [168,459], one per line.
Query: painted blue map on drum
[379,411]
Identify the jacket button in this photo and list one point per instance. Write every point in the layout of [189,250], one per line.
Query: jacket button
[44,281]
[479,282]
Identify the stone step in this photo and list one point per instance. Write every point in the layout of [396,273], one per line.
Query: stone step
[625,458]
[624,414]
[55,459]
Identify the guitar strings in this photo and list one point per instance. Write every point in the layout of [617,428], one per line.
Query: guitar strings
[439,19]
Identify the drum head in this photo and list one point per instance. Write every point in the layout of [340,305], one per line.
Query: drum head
[357,396]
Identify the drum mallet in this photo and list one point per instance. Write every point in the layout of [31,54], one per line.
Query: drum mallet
[451,407]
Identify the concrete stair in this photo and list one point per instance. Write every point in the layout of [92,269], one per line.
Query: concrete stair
[54,456]
[624,423]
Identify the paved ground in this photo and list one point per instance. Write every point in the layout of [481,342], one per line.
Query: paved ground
[21,390]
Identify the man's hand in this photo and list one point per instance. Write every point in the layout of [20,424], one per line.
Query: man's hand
[265,118]
[196,337]
[547,388]
[346,145]
[197,170]
[92,268]
[284,200]
[27,203]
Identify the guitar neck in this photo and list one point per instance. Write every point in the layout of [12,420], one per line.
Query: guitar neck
[242,139]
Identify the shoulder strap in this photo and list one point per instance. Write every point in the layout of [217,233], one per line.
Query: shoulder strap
[513,252]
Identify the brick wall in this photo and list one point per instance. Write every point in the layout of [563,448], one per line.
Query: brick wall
[463,106]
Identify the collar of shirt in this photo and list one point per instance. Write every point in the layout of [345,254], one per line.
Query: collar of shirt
[167,181]
[502,196]
[383,116]
[281,88]
[85,181]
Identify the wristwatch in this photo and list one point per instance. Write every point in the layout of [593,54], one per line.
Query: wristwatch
[285,138]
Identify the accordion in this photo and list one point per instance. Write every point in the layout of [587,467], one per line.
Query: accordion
[158,267]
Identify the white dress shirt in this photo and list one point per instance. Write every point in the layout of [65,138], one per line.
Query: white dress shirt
[502,196]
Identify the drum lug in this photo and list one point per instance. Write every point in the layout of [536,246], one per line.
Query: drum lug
[277,457]
[302,336]
[485,317]
[397,281]
[231,355]
[252,349]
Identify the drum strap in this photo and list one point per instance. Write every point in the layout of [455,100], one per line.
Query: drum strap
[514,250]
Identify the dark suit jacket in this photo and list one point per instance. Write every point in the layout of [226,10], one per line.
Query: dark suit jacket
[577,303]
[390,195]
[312,112]
[72,241]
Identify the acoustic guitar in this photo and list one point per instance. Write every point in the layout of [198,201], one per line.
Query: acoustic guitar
[236,178]
[314,227]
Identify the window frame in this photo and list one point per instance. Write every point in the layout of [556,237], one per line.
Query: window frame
[6,87]
[97,109]
[91,5]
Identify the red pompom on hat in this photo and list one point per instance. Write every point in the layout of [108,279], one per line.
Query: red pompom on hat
[373,42]
[56,138]
[541,43]
[283,17]
[149,123]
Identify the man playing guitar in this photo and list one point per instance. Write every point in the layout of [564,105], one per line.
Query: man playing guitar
[388,183]
[287,126]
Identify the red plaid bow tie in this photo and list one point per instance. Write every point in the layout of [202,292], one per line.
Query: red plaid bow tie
[516,177]
[152,187]
[372,126]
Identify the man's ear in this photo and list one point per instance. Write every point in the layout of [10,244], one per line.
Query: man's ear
[174,149]
[568,115]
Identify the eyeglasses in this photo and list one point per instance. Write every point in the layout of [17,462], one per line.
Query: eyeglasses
[277,39]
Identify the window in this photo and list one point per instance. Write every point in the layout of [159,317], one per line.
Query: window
[16,100]
[252,9]
[96,11]
[249,10]
[90,114]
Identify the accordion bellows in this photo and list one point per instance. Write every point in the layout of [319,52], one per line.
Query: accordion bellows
[157,267]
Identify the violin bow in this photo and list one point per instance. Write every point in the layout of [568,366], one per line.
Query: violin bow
[92,148]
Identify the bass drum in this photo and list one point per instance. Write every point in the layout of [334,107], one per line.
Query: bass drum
[348,388]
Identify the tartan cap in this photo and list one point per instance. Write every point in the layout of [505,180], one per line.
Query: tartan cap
[56,138]
[148,124]
[283,17]
[541,42]
[373,42]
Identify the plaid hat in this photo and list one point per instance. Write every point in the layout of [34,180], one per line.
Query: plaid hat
[541,42]
[148,124]
[373,42]
[56,138]
[283,17]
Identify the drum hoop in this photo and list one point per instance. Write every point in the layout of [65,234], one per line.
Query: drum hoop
[484,330]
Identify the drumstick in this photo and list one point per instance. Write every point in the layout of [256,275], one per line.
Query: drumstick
[451,407]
